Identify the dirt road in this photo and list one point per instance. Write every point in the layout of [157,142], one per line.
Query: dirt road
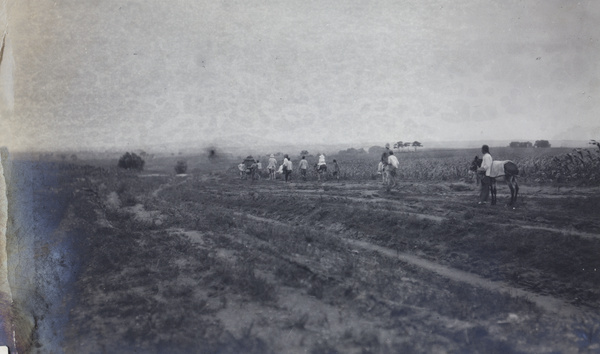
[238,266]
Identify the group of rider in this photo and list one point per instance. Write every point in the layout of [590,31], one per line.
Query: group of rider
[388,166]
[287,167]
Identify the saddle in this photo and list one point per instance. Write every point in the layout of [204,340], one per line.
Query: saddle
[497,169]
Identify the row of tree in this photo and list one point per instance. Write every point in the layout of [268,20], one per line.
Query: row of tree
[528,144]
[400,145]
[133,161]
[372,150]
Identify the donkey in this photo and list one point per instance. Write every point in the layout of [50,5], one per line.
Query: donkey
[321,170]
[383,171]
[506,169]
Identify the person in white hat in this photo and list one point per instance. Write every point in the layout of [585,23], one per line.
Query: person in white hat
[321,166]
[272,166]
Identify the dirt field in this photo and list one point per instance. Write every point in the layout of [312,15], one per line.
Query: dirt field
[207,262]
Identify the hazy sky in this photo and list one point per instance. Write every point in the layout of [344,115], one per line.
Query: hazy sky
[111,73]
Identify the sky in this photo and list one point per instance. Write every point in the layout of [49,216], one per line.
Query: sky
[86,74]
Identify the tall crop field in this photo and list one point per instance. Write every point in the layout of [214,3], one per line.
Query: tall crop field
[579,166]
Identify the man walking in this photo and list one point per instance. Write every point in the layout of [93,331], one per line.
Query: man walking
[484,169]
[392,166]
[258,169]
[336,170]
[287,168]
[303,165]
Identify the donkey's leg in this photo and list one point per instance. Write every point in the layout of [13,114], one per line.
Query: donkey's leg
[516,183]
[493,190]
[495,186]
[509,183]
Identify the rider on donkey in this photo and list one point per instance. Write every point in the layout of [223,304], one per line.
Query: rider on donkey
[321,166]
[486,181]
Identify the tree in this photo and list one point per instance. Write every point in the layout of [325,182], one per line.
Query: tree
[398,145]
[518,144]
[376,150]
[542,144]
[303,153]
[131,161]
[416,144]
[352,151]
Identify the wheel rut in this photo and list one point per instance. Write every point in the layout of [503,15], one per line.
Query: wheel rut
[548,303]
[403,209]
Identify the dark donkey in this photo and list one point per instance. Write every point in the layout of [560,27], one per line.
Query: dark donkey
[321,170]
[506,169]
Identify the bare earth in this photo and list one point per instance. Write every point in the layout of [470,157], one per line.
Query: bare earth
[211,263]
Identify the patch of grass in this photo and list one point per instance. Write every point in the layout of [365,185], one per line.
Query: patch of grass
[243,279]
[290,274]
[297,321]
[316,288]
[368,340]
[323,347]
[246,343]
[348,267]
[258,288]
[468,215]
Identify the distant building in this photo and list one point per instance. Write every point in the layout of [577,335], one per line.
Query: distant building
[519,144]
[542,144]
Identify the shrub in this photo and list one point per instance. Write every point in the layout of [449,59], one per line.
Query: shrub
[181,167]
[131,161]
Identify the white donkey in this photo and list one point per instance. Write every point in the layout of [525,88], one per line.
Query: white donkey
[383,171]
